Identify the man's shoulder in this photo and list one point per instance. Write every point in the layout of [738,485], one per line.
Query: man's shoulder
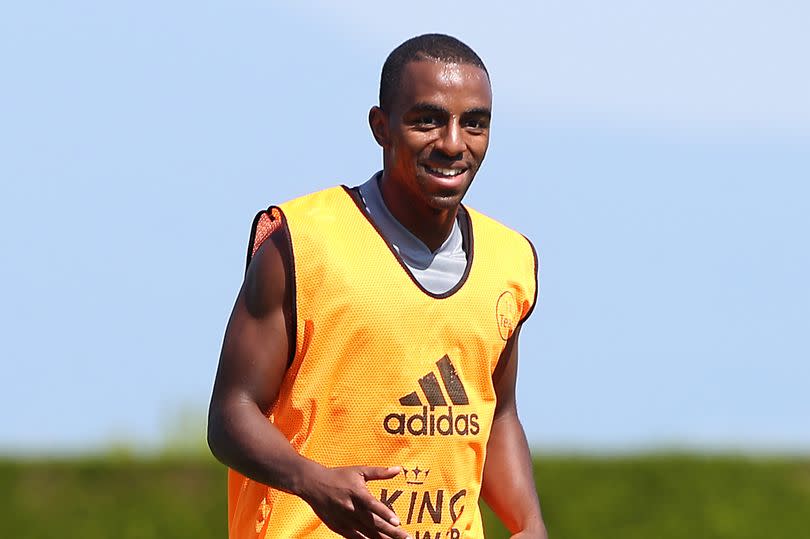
[491,225]
[323,196]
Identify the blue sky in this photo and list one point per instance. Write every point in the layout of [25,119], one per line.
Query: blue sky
[658,155]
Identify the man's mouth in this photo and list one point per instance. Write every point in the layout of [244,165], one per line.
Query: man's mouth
[445,172]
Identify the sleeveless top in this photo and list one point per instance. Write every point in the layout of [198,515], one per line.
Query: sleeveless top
[385,373]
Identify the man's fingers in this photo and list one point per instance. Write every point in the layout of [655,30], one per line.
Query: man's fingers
[373,473]
[379,509]
[371,526]
[387,530]
[361,515]
[377,528]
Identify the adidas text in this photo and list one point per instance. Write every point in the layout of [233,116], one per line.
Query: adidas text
[432,423]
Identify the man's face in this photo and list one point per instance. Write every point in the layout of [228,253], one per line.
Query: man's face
[436,134]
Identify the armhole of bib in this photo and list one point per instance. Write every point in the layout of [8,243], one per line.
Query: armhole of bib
[536,282]
[266,223]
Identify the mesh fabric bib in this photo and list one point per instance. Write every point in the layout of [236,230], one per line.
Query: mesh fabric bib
[385,373]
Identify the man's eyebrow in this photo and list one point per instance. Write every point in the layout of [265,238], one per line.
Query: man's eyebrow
[428,107]
[478,111]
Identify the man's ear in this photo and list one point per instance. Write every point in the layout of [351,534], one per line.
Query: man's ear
[378,121]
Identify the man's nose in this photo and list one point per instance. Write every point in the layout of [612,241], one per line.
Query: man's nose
[451,142]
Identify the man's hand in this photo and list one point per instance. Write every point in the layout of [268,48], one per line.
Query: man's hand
[256,350]
[341,499]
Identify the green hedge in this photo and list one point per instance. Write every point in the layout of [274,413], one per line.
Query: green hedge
[645,497]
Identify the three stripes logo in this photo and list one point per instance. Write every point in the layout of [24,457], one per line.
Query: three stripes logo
[428,421]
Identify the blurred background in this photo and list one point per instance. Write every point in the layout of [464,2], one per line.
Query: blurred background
[656,153]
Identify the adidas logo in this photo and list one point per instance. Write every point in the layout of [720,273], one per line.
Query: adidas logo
[428,421]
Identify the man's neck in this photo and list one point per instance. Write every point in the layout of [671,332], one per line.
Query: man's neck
[431,225]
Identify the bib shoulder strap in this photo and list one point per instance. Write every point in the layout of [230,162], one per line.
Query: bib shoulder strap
[264,225]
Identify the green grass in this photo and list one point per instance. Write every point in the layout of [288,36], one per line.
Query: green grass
[674,497]
[584,497]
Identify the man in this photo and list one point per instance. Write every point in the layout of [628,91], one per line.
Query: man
[367,376]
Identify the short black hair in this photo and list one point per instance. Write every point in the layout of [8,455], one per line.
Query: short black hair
[438,47]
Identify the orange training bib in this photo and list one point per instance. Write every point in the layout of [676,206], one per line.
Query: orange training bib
[386,373]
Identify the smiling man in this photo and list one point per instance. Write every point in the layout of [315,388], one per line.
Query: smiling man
[366,386]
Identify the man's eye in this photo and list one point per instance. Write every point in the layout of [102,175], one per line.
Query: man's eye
[476,124]
[426,120]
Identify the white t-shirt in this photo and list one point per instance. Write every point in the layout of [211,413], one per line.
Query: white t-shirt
[436,271]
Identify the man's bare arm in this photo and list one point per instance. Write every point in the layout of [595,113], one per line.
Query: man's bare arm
[251,368]
[508,484]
